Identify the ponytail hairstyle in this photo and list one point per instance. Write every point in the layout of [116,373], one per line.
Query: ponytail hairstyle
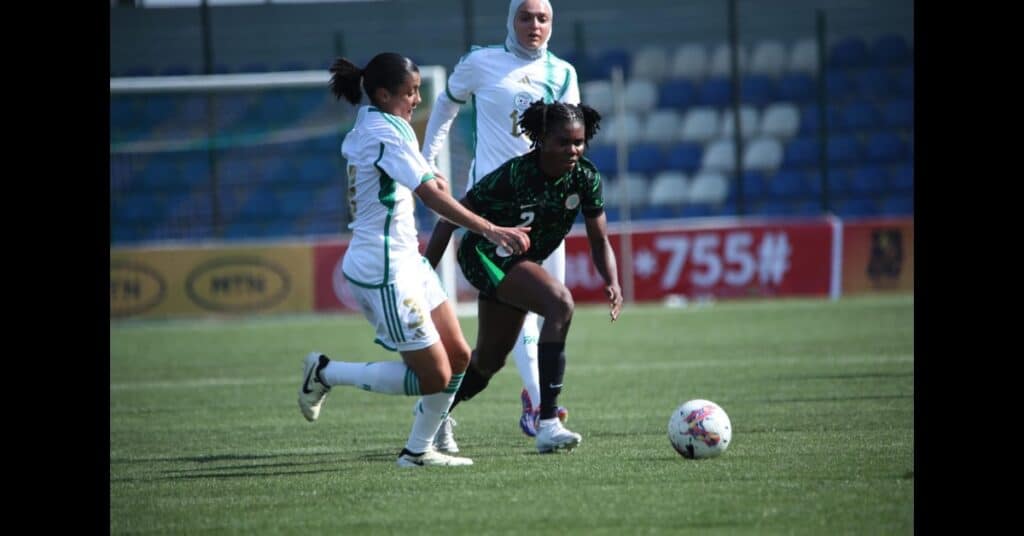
[386,70]
[540,117]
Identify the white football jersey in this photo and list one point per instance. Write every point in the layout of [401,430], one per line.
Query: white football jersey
[384,167]
[502,86]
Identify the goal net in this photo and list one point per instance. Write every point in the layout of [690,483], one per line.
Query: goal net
[242,157]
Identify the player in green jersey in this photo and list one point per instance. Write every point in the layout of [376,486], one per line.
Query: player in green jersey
[544,190]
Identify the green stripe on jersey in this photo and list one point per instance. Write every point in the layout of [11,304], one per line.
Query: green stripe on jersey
[494,273]
[386,196]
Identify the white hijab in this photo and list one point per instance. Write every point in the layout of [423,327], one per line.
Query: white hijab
[512,43]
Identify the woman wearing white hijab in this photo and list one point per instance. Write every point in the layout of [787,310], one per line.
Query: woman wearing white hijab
[502,81]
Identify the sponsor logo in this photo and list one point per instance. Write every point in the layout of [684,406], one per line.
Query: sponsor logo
[237,284]
[572,201]
[134,288]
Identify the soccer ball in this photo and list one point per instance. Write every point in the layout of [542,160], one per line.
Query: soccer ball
[699,429]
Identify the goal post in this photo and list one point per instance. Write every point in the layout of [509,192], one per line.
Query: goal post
[192,157]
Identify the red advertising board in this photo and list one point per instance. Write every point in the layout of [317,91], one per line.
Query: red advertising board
[770,259]
[329,285]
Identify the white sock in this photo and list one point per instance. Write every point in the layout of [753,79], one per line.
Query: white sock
[388,377]
[525,353]
[429,412]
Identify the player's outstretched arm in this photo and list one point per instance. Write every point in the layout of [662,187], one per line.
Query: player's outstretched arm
[604,260]
[439,241]
[436,196]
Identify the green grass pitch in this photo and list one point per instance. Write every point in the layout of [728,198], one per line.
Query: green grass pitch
[206,435]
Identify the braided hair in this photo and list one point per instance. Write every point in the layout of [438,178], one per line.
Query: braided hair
[539,117]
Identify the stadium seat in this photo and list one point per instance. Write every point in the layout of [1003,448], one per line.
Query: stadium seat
[872,83]
[720,156]
[768,58]
[902,81]
[668,188]
[700,124]
[715,91]
[886,148]
[763,154]
[721,60]
[867,180]
[859,115]
[259,206]
[843,150]
[662,126]
[637,190]
[708,187]
[891,50]
[701,210]
[598,95]
[901,205]
[684,156]
[780,120]
[809,121]
[677,93]
[749,122]
[690,62]
[856,207]
[650,63]
[801,153]
[609,59]
[839,85]
[604,158]
[898,114]
[901,179]
[797,87]
[803,57]
[317,170]
[758,90]
[645,158]
[771,207]
[294,202]
[640,95]
[755,185]
[849,52]
[630,126]
[788,185]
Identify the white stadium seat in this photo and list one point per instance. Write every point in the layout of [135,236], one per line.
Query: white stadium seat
[700,124]
[719,156]
[662,126]
[721,60]
[763,154]
[803,57]
[650,63]
[669,188]
[690,61]
[748,122]
[640,95]
[769,58]
[780,120]
[709,187]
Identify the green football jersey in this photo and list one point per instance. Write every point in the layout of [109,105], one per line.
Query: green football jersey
[519,194]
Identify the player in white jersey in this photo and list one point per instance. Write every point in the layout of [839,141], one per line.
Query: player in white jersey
[502,81]
[396,288]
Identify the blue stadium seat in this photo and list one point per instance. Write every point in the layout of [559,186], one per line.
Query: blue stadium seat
[801,153]
[856,207]
[891,50]
[840,85]
[901,179]
[809,123]
[755,185]
[685,156]
[898,114]
[657,212]
[715,92]
[843,150]
[317,170]
[758,90]
[849,52]
[259,206]
[899,205]
[158,108]
[771,207]
[604,158]
[886,147]
[807,207]
[645,158]
[294,202]
[872,83]
[677,93]
[859,114]
[867,180]
[614,57]
[696,210]
[797,87]
[789,185]
[902,80]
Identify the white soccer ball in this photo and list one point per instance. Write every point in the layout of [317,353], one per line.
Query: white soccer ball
[699,429]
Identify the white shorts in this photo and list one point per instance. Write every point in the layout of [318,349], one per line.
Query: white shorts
[400,311]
